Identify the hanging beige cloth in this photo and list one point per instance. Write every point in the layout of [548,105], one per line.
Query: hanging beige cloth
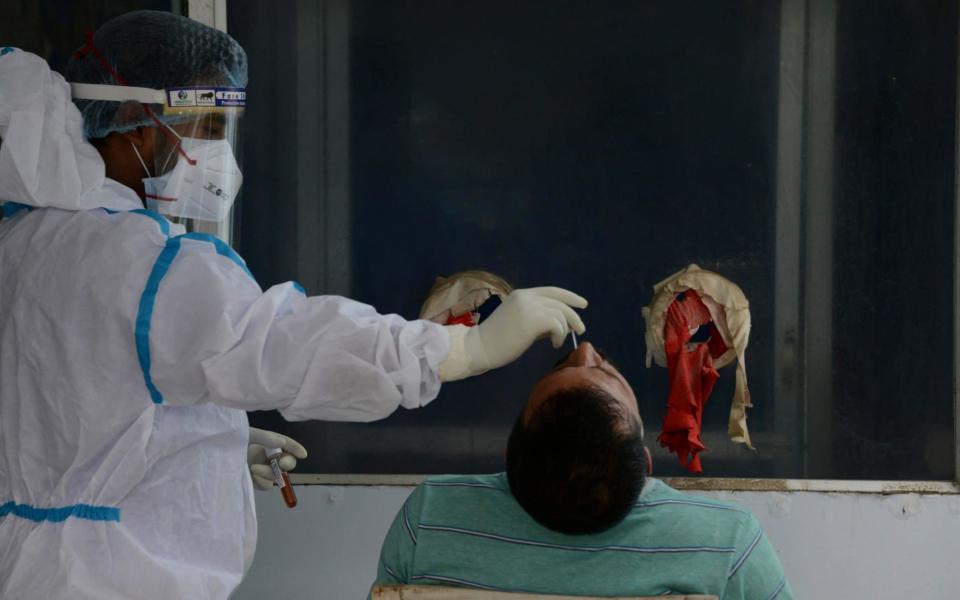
[730,312]
[461,294]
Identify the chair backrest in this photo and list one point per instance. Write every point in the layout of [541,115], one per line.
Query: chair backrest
[434,592]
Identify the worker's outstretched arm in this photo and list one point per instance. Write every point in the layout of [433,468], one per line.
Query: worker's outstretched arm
[214,335]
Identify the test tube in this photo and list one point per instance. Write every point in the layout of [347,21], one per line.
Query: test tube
[280,477]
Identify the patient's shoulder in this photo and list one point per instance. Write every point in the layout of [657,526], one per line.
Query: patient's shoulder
[495,481]
[660,500]
[473,498]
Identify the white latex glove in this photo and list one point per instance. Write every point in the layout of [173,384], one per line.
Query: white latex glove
[260,470]
[523,317]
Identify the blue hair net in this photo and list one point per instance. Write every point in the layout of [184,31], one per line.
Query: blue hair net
[151,49]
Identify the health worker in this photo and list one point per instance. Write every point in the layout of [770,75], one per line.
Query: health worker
[132,341]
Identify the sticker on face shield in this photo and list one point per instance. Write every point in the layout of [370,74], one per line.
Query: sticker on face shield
[206,97]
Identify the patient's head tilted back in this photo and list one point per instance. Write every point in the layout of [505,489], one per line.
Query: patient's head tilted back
[575,459]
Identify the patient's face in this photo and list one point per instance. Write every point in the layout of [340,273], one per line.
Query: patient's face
[584,367]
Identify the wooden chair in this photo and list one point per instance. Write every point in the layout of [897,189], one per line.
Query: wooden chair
[434,592]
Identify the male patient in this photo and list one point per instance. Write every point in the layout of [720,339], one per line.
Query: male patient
[576,513]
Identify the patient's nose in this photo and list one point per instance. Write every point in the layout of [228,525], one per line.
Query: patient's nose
[585,356]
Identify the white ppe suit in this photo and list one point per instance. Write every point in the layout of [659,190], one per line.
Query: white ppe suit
[128,355]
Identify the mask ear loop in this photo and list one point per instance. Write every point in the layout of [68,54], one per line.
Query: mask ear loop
[163,167]
[89,48]
[147,171]
[140,158]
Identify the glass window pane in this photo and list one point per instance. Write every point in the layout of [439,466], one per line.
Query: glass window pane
[602,146]
[54,30]
[893,302]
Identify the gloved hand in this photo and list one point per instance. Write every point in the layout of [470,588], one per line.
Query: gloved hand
[260,470]
[523,317]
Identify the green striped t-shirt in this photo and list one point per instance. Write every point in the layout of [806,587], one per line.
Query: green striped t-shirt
[467,530]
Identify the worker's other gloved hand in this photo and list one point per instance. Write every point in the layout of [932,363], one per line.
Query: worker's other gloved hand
[522,318]
[260,470]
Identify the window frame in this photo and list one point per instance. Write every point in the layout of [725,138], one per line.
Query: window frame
[804,195]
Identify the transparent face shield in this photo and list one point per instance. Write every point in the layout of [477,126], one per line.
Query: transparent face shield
[195,177]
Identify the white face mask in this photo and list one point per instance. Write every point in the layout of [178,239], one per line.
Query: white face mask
[204,190]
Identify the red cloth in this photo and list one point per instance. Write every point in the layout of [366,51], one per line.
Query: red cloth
[464,319]
[692,376]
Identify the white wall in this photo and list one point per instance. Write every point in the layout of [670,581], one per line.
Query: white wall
[864,546]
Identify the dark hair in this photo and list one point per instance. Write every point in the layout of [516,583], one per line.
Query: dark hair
[577,464]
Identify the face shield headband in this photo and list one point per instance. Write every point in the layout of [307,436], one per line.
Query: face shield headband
[175,101]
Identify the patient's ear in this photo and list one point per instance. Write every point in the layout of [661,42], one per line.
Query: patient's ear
[646,452]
